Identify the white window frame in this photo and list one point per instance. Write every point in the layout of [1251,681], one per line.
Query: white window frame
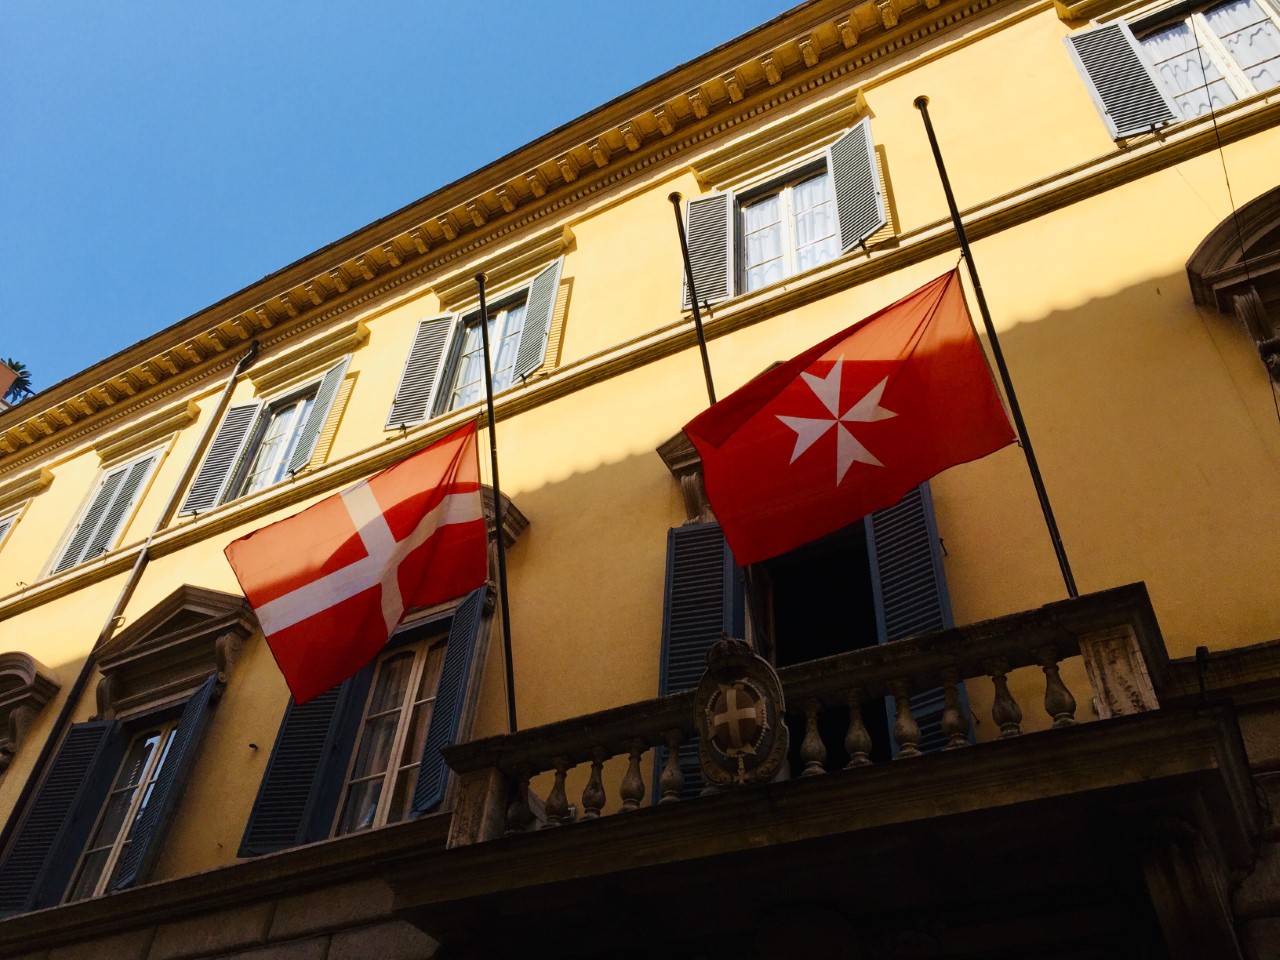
[499,313]
[421,649]
[141,793]
[9,520]
[238,480]
[1207,39]
[783,186]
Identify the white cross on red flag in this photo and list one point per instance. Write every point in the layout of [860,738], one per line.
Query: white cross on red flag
[330,584]
[850,425]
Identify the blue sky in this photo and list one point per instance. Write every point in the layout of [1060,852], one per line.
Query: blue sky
[160,155]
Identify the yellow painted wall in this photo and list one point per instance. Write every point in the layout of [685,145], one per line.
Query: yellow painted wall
[1152,419]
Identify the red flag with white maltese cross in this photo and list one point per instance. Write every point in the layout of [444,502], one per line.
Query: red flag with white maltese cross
[330,584]
[850,425]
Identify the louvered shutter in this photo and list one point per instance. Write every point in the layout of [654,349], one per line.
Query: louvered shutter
[539,307]
[709,231]
[147,833]
[860,206]
[5,524]
[451,693]
[910,592]
[303,780]
[121,503]
[224,454]
[704,598]
[310,430]
[46,845]
[1124,88]
[413,399]
[91,519]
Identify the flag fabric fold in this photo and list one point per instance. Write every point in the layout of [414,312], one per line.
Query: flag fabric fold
[850,425]
[330,584]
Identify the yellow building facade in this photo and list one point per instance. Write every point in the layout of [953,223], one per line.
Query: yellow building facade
[1116,169]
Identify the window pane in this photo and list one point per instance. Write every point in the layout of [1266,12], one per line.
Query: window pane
[1251,37]
[762,246]
[1187,70]
[361,806]
[374,754]
[402,797]
[90,872]
[389,689]
[815,226]
[508,342]
[468,380]
[279,438]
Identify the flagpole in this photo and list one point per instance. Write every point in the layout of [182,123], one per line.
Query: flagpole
[675,199]
[1024,438]
[501,536]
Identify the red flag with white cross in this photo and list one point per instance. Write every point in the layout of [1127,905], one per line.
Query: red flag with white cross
[330,584]
[850,425]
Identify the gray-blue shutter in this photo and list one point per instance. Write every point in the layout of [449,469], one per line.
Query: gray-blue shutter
[55,827]
[538,311]
[224,453]
[412,403]
[703,599]
[451,693]
[860,208]
[709,232]
[910,592]
[113,517]
[147,831]
[303,780]
[310,431]
[1121,82]
[89,522]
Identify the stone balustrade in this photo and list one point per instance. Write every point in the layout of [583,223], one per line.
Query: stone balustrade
[1114,632]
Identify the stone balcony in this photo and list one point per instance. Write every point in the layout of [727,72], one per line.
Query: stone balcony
[1129,829]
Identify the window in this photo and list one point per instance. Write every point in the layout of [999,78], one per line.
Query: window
[1160,70]
[7,523]
[445,367]
[384,766]
[880,579]
[261,444]
[366,754]
[125,804]
[740,242]
[106,513]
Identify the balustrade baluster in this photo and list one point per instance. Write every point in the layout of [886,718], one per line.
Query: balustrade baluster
[671,783]
[1005,711]
[857,742]
[632,790]
[1058,701]
[593,792]
[812,750]
[906,732]
[519,814]
[955,720]
[557,801]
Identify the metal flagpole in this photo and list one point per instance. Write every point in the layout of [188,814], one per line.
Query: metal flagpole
[675,199]
[922,104]
[497,510]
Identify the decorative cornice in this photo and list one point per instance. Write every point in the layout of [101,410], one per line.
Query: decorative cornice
[785,59]
[145,432]
[800,132]
[273,372]
[25,486]
[519,261]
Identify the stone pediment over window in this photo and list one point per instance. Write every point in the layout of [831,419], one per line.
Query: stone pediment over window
[164,656]
[26,685]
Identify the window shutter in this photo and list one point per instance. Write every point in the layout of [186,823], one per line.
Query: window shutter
[704,598]
[856,183]
[537,319]
[224,454]
[421,371]
[433,772]
[55,827]
[113,517]
[91,519]
[148,830]
[5,524]
[709,231]
[310,431]
[910,592]
[1123,86]
[300,788]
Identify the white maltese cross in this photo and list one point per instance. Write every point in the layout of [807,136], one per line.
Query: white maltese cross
[849,450]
